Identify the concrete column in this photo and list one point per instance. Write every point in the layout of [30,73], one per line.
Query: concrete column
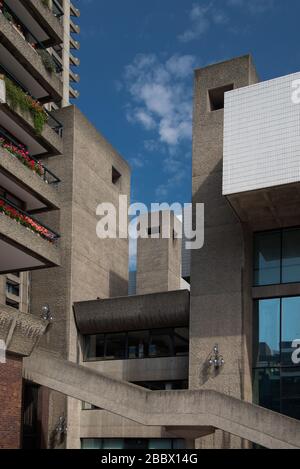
[219,307]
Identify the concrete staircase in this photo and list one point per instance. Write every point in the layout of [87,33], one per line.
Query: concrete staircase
[185,413]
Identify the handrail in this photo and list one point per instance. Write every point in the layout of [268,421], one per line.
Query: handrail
[53,179]
[56,125]
[28,34]
[53,236]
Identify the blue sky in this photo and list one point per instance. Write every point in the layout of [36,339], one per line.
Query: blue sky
[137,61]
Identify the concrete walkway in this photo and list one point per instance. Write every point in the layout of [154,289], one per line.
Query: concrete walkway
[178,411]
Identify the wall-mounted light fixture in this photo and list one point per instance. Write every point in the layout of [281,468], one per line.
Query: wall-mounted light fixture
[216,360]
[46,313]
[61,427]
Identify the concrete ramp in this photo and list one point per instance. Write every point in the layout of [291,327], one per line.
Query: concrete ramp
[181,410]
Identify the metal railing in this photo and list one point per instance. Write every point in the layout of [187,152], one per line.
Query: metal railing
[52,121]
[51,235]
[57,9]
[47,175]
[28,35]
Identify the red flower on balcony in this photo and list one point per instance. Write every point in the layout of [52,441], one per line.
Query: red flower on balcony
[23,155]
[26,221]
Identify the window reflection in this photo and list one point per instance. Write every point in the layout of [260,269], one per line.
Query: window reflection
[267,337]
[267,251]
[276,383]
[137,344]
[291,256]
[277,257]
[290,327]
[161,344]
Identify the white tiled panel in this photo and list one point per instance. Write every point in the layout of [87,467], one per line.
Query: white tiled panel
[261,136]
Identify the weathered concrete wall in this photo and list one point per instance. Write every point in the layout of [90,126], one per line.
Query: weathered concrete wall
[90,267]
[159,260]
[219,274]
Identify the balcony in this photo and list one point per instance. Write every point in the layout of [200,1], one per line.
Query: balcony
[25,244]
[40,19]
[26,58]
[24,118]
[261,169]
[27,178]
[74,11]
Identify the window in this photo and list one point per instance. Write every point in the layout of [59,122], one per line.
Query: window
[132,443]
[217,97]
[181,341]
[267,332]
[163,385]
[277,375]
[277,257]
[116,176]
[87,406]
[12,304]
[161,343]
[137,344]
[94,347]
[13,288]
[115,346]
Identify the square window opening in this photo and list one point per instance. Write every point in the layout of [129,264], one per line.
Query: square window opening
[217,97]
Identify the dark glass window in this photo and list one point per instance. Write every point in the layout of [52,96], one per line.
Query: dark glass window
[13,288]
[290,392]
[163,385]
[291,256]
[267,332]
[161,344]
[290,319]
[276,383]
[115,346]
[267,249]
[181,341]
[266,388]
[138,343]
[277,257]
[132,443]
[94,347]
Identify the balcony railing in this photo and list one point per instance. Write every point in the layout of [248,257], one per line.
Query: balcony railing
[19,151]
[15,213]
[50,62]
[52,121]
[57,9]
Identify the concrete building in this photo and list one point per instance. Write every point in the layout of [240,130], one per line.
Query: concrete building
[223,359]
[90,268]
[30,81]
[233,339]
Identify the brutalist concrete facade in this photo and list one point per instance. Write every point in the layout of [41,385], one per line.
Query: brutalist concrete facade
[221,270]
[159,255]
[90,267]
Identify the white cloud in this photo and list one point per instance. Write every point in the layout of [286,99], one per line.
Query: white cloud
[202,17]
[254,6]
[161,98]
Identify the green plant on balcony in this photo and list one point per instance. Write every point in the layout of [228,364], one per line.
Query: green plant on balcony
[7,15]
[18,99]
[47,60]
[46,3]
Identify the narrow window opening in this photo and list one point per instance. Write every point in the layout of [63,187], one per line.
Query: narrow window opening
[217,97]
